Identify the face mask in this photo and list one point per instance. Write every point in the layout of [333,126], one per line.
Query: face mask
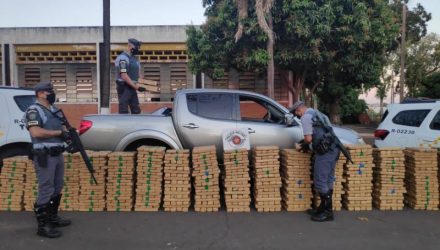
[51,98]
[134,51]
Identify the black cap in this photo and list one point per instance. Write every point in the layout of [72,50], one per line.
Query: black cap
[295,106]
[43,86]
[134,42]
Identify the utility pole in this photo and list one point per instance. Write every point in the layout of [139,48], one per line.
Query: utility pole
[105,62]
[402,53]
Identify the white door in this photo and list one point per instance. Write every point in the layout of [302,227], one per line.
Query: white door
[431,134]
[408,128]
[4,120]
[17,128]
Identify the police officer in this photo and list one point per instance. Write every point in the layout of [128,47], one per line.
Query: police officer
[128,72]
[47,134]
[325,158]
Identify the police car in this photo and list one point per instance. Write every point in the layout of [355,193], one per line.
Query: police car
[14,137]
[412,123]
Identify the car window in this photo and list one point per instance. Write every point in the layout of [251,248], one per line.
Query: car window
[413,118]
[258,110]
[435,124]
[384,116]
[24,101]
[211,105]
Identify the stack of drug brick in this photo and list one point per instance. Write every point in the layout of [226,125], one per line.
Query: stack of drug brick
[237,180]
[91,196]
[388,175]
[296,191]
[120,181]
[149,178]
[421,178]
[338,185]
[206,179]
[177,181]
[12,179]
[30,188]
[359,177]
[69,201]
[266,178]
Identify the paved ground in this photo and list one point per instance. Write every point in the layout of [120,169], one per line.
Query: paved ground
[406,229]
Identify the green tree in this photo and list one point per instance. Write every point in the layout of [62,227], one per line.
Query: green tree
[321,42]
[360,51]
[423,59]
[214,48]
[264,18]
[416,28]
[430,86]
[417,19]
[386,80]
[350,106]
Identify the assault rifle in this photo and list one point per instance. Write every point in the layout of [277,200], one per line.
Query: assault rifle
[74,143]
[329,129]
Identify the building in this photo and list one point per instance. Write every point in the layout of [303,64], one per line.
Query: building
[70,58]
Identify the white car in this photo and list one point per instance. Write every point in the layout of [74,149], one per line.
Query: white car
[14,137]
[413,123]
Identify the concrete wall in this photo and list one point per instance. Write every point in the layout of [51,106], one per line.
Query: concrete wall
[73,35]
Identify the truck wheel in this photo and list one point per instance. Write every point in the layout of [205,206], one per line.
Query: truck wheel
[146,142]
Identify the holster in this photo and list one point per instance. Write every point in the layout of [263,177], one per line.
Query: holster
[324,144]
[56,151]
[40,156]
[121,83]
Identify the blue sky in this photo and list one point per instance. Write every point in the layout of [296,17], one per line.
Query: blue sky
[50,13]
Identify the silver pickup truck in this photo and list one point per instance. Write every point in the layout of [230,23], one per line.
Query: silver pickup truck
[198,118]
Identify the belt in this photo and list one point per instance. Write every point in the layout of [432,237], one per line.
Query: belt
[47,145]
[53,151]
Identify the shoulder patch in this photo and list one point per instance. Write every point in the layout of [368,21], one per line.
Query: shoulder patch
[32,114]
[122,66]
[32,117]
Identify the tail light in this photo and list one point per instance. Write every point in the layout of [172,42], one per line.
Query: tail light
[381,134]
[84,126]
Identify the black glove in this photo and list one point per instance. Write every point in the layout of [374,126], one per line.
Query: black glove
[142,89]
[305,148]
[65,136]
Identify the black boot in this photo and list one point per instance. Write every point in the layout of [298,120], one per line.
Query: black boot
[327,213]
[56,220]
[320,208]
[45,227]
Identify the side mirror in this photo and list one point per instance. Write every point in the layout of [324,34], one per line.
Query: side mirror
[289,119]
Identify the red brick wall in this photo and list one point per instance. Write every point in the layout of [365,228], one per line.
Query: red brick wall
[75,112]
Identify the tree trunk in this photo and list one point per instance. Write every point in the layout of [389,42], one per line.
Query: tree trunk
[312,93]
[270,66]
[298,83]
[381,108]
[263,11]
[295,85]
[334,112]
[242,6]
